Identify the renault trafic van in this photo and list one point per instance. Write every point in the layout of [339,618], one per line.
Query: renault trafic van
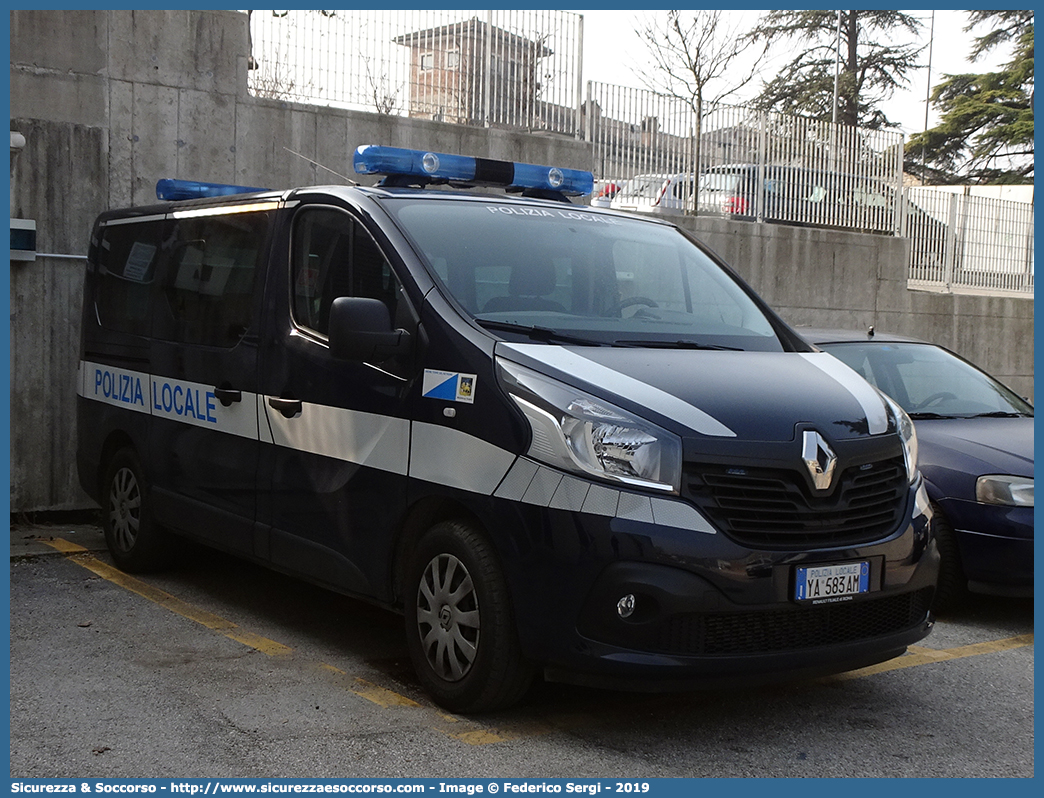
[562,442]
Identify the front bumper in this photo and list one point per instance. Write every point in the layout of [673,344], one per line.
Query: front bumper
[708,611]
[684,634]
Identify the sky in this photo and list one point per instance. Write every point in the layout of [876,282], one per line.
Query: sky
[613,53]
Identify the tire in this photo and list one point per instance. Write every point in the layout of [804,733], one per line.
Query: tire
[460,630]
[136,542]
[952,591]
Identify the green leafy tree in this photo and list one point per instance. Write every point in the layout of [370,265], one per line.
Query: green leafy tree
[868,55]
[985,133]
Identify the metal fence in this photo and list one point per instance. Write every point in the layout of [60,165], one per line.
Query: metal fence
[960,242]
[754,165]
[518,69]
[522,70]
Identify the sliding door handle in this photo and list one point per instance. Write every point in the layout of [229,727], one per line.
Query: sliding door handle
[288,407]
[227,396]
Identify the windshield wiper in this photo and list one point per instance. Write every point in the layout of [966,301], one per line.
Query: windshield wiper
[538,333]
[678,345]
[999,414]
[928,414]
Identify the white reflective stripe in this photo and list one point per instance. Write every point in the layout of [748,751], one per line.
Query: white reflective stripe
[264,427]
[115,386]
[570,494]
[657,400]
[531,483]
[515,484]
[542,488]
[431,452]
[873,405]
[453,458]
[179,400]
[601,500]
[367,439]
[195,403]
[635,507]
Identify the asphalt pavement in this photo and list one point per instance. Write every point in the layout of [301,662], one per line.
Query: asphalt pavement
[222,668]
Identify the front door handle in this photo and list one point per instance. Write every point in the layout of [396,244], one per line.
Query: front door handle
[228,395]
[288,407]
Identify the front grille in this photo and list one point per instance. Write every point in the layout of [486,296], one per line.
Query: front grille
[776,508]
[721,634]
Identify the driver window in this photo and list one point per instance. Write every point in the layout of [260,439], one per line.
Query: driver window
[334,256]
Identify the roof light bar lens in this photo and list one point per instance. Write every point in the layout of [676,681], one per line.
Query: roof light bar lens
[168,189]
[377,160]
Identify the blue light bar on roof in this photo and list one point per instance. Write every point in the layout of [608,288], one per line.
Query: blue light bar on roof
[376,160]
[168,189]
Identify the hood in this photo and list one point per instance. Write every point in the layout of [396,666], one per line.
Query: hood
[977,445]
[755,396]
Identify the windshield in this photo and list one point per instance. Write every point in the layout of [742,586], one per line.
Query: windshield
[599,277]
[928,381]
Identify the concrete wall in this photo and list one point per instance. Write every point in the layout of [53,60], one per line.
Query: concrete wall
[111,101]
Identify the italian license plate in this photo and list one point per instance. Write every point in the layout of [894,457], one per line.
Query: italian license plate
[823,584]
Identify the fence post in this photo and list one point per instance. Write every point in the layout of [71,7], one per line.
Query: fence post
[1027,277]
[487,76]
[580,78]
[950,248]
[759,194]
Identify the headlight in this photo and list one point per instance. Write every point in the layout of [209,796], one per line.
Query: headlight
[577,432]
[1005,490]
[905,426]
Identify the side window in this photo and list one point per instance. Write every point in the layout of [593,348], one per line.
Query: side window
[126,259]
[208,287]
[334,256]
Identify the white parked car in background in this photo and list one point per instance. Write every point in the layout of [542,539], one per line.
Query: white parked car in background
[604,192]
[654,193]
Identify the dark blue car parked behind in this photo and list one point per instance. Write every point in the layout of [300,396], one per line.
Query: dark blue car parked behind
[976,453]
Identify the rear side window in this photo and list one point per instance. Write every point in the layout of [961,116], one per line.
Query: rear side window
[127,257]
[188,280]
[207,293]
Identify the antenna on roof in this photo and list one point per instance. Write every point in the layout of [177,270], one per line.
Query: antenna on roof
[316,163]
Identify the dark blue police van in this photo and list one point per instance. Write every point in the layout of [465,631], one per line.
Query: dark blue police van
[561,441]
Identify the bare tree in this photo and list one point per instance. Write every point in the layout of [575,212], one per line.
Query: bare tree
[385,98]
[700,57]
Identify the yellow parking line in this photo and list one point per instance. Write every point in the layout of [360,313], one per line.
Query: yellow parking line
[78,554]
[82,557]
[469,733]
[918,655]
[381,696]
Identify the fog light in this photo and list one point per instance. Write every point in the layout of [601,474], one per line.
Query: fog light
[625,606]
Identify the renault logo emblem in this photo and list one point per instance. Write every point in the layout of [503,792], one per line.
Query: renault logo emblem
[819,458]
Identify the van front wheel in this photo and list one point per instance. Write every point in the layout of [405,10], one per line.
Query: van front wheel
[135,541]
[459,627]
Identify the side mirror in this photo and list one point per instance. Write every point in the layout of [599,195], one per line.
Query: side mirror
[361,329]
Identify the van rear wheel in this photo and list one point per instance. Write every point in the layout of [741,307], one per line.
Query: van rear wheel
[136,542]
[459,626]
